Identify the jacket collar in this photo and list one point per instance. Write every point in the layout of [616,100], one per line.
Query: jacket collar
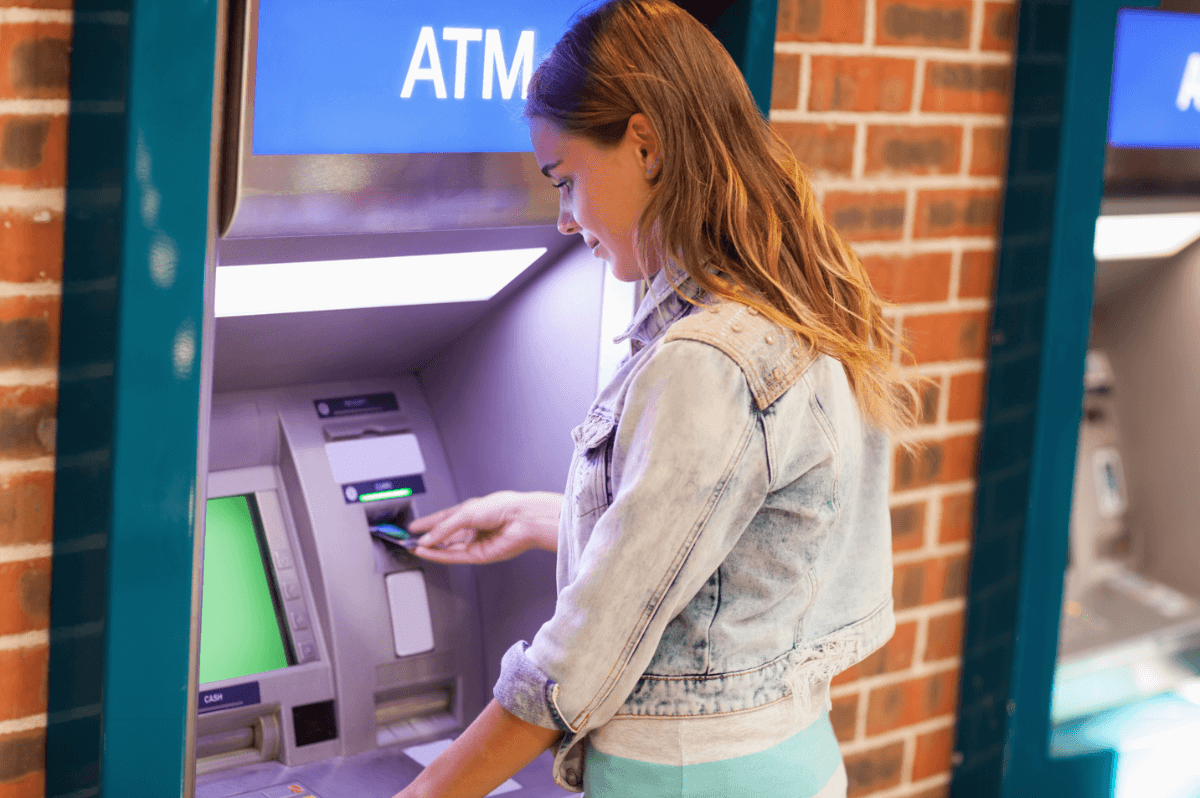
[662,306]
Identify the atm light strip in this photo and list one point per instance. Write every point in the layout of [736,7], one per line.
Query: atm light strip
[379,496]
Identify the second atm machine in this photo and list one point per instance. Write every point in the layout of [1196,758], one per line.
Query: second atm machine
[1128,673]
[397,326]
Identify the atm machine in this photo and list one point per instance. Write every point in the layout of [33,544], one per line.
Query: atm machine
[397,326]
[1129,641]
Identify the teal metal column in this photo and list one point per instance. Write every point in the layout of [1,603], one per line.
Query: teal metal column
[747,29]
[137,215]
[1041,317]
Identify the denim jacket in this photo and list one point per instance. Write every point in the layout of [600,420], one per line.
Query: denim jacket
[725,541]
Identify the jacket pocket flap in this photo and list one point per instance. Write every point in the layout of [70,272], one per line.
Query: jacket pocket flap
[592,432]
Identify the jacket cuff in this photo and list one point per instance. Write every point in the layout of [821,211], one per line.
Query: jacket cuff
[526,691]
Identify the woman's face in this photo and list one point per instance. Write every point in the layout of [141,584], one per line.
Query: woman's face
[601,190]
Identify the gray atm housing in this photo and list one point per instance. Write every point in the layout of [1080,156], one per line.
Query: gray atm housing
[491,391]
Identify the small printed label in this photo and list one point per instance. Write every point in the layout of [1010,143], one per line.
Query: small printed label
[356,405]
[377,490]
[238,695]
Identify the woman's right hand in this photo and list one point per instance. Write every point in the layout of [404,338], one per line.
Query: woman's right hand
[490,528]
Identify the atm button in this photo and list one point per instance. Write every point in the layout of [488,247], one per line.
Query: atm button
[299,619]
[291,588]
[283,559]
[307,651]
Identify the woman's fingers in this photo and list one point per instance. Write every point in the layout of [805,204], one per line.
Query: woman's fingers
[473,514]
[452,525]
[425,523]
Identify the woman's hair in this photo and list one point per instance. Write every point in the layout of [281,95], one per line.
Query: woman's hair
[728,193]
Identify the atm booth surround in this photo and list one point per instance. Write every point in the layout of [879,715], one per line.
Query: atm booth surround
[332,661]
[357,657]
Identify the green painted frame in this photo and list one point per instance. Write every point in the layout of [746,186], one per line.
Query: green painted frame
[139,224]
[137,237]
[1040,324]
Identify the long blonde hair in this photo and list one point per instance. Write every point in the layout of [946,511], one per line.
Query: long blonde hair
[729,192]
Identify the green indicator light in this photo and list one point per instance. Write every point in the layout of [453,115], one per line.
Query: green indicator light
[398,493]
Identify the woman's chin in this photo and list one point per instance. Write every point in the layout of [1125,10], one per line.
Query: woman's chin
[624,273]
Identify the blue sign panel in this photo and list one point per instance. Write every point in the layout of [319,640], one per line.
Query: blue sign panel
[1156,80]
[380,76]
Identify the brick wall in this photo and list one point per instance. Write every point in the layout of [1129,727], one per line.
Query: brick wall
[899,109]
[35,38]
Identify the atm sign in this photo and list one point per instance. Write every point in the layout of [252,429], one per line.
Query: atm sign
[1155,99]
[377,76]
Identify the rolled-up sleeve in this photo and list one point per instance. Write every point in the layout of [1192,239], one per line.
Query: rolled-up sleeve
[689,473]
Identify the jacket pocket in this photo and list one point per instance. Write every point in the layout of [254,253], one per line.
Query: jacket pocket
[591,464]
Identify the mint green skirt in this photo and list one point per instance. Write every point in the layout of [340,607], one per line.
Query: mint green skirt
[798,767]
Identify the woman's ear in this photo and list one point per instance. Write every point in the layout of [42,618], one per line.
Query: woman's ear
[640,134]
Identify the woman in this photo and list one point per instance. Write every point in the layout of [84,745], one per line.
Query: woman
[724,540]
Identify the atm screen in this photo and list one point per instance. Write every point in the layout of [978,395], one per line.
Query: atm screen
[240,631]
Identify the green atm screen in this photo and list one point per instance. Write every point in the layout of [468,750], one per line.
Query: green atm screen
[239,626]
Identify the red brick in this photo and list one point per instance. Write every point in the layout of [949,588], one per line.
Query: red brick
[933,754]
[930,392]
[957,212]
[23,682]
[929,581]
[860,83]
[967,88]
[825,149]
[33,249]
[866,216]
[27,420]
[910,278]
[914,149]
[29,330]
[22,764]
[24,595]
[820,21]
[999,26]
[948,460]
[35,59]
[911,702]
[989,149]
[785,82]
[976,276]
[31,785]
[895,655]
[937,337]
[958,517]
[26,508]
[966,397]
[844,717]
[945,637]
[61,4]
[908,526]
[874,769]
[924,23]
[33,151]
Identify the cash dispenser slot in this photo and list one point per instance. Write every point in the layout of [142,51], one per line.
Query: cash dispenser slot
[234,738]
[412,715]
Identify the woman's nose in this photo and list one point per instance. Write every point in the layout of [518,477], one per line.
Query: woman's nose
[566,223]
